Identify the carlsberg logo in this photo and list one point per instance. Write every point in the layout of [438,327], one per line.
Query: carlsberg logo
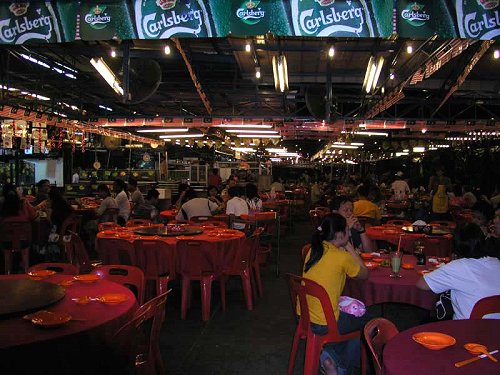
[414,15]
[486,26]
[24,29]
[170,23]
[349,20]
[93,19]
[250,13]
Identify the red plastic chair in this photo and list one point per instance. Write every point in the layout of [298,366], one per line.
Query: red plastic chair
[116,251]
[108,225]
[138,222]
[62,268]
[72,223]
[125,275]
[198,261]
[377,333]
[19,235]
[261,252]
[242,266]
[76,253]
[300,288]
[139,340]
[157,260]
[444,223]
[485,306]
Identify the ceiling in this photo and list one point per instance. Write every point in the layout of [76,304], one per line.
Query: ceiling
[225,72]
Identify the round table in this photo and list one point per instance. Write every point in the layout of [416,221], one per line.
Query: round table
[433,245]
[402,355]
[380,288]
[25,347]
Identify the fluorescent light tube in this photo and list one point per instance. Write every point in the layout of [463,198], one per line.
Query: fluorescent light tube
[163,130]
[257,136]
[252,131]
[380,64]
[174,136]
[107,74]
[248,126]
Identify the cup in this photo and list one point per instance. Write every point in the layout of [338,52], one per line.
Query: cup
[396,258]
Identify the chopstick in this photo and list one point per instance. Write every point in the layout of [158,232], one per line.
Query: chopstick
[473,359]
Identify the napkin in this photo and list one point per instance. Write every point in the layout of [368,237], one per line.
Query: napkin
[419,223]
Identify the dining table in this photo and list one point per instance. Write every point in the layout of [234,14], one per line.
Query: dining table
[80,343]
[438,245]
[227,240]
[380,288]
[403,355]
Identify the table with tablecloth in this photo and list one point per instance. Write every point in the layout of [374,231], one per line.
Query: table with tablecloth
[433,245]
[227,241]
[380,288]
[70,348]
[402,355]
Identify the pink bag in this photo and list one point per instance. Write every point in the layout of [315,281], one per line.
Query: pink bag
[352,306]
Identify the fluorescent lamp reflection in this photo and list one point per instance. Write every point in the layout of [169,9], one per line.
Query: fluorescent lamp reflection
[276,150]
[381,134]
[163,130]
[252,131]
[107,74]
[257,136]
[248,126]
[243,149]
[345,146]
[418,149]
[174,136]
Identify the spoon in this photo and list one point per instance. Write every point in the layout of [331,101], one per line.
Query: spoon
[479,349]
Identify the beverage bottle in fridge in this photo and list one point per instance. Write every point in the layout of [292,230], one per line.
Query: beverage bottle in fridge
[356,18]
[28,22]
[163,19]
[104,21]
[424,18]
[478,19]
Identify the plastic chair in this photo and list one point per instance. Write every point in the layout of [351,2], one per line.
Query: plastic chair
[76,253]
[377,333]
[139,338]
[241,265]
[138,222]
[116,251]
[300,288]
[156,259]
[108,225]
[72,223]
[62,268]
[261,252]
[444,223]
[125,275]
[485,306]
[198,262]
[18,236]
[109,215]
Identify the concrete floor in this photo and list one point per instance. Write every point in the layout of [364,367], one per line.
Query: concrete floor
[249,342]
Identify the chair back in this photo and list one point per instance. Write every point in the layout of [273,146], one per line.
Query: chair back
[201,219]
[76,253]
[107,225]
[18,233]
[245,253]
[71,223]
[197,258]
[377,333]
[138,222]
[62,268]
[155,258]
[128,276]
[109,215]
[141,337]
[403,223]
[116,251]
[485,306]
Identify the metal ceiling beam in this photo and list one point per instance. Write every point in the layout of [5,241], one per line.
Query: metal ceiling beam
[194,78]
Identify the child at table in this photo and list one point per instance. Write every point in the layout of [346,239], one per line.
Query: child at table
[331,258]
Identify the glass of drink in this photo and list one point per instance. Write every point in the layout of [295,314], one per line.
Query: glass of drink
[396,258]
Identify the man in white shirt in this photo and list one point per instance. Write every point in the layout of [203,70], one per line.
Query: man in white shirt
[135,194]
[399,187]
[236,206]
[196,207]
[474,276]
[122,201]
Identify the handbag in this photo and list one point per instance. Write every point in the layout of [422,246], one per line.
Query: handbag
[444,308]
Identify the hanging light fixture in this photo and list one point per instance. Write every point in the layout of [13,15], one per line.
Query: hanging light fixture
[496,54]
[331,52]
[248,47]
[280,73]
[112,53]
[372,75]
[107,74]
[167,50]
[409,49]
[257,72]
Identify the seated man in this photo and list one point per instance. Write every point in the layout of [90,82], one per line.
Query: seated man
[148,209]
[471,277]
[236,206]
[364,207]
[196,207]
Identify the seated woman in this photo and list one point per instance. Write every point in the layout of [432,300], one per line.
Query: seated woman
[213,195]
[252,198]
[15,208]
[359,239]
[331,259]
[60,209]
[107,202]
[471,277]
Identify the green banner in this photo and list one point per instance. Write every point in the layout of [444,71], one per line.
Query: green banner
[59,21]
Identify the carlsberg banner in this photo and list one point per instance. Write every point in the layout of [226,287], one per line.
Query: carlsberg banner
[59,21]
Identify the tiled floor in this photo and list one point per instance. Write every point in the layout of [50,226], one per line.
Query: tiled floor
[248,342]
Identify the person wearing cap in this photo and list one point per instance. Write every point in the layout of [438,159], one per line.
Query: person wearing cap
[400,187]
